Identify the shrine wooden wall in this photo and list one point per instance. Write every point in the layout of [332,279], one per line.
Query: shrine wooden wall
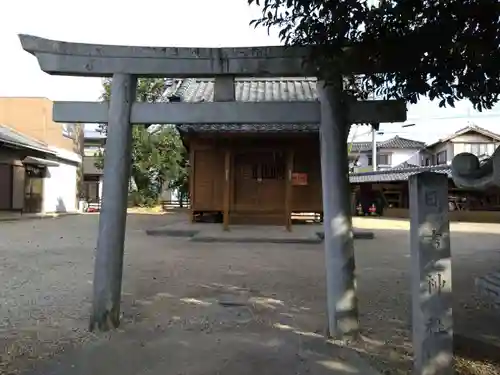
[208,173]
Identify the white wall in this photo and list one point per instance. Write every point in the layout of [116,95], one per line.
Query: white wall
[100,187]
[409,156]
[59,188]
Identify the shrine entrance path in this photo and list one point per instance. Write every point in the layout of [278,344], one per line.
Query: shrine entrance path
[208,308]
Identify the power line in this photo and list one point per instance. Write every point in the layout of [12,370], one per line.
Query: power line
[452,117]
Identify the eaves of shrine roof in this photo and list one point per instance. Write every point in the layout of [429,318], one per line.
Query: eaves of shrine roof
[396,174]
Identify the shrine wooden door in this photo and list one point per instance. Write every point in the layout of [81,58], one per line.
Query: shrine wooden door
[259,181]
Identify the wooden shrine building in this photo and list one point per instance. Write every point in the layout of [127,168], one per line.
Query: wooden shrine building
[253,173]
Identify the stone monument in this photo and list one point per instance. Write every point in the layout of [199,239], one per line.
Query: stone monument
[431,274]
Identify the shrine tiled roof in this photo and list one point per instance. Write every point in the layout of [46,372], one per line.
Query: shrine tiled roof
[396,174]
[251,90]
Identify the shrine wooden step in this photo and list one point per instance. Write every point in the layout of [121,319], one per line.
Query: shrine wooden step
[257,218]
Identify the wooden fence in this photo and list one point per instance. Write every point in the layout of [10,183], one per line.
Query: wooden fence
[178,203]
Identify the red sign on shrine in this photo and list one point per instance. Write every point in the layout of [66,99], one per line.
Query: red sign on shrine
[299,179]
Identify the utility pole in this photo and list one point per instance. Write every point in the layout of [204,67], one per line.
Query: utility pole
[375,128]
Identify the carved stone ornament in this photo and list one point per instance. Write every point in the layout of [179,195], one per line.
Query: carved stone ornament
[469,172]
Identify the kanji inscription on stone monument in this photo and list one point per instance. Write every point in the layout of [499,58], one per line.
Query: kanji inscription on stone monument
[431,275]
[431,198]
[435,283]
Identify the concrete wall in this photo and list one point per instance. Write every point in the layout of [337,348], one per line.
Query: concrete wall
[33,118]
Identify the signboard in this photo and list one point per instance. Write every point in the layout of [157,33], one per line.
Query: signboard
[299,179]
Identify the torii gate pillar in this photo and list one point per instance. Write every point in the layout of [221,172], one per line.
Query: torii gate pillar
[339,248]
[112,220]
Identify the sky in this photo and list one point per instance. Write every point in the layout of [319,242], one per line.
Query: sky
[180,23]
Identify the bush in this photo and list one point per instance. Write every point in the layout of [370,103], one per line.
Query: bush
[140,199]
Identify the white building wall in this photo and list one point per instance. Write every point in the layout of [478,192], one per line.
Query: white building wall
[60,186]
[60,190]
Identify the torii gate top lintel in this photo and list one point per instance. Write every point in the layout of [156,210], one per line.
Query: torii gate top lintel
[99,60]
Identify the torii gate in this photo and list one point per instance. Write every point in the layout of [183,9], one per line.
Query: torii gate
[126,63]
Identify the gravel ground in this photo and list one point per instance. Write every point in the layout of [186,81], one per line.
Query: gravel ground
[46,273]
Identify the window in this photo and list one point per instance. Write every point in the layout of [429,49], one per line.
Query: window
[442,157]
[382,159]
[480,149]
[425,160]
[268,171]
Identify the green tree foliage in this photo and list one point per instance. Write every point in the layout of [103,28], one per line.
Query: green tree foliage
[443,49]
[158,155]
[181,181]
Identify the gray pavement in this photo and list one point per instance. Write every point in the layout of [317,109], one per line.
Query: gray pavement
[173,318]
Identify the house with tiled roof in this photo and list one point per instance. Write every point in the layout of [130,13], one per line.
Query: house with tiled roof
[436,157]
[390,153]
[473,139]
